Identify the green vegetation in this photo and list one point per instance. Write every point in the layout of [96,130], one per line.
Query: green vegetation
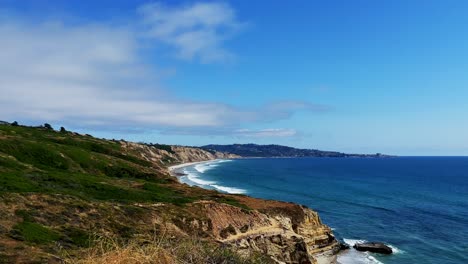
[165,147]
[78,236]
[35,233]
[231,201]
[45,161]
[48,126]
[58,189]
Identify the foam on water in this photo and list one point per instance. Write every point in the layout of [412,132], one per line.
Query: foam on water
[352,242]
[192,177]
[203,167]
[229,189]
[195,179]
[224,160]
[353,256]
[396,250]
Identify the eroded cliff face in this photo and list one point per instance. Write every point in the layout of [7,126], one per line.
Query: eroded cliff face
[288,233]
[174,154]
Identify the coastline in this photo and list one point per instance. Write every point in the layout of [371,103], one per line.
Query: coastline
[194,179]
[325,257]
[172,169]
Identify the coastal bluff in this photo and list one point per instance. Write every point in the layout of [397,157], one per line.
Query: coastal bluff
[287,232]
[72,198]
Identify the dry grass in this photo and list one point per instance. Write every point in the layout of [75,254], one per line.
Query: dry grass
[131,254]
[159,250]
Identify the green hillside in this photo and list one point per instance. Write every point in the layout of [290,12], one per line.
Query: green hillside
[61,191]
[45,161]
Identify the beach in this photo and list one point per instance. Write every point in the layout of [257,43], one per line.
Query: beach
[172,169]
[192,173]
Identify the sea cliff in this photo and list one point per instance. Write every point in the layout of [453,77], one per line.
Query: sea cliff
[62,194]
[287,232]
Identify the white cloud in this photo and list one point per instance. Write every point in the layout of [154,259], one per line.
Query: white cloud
[197,30]
[269,132]
[94,75]
[91,73]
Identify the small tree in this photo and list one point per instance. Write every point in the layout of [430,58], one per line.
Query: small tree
[48,126]
[63,130]
[14,123]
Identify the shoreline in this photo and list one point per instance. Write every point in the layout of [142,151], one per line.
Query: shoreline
[324,258]
[194,180]
[172,169]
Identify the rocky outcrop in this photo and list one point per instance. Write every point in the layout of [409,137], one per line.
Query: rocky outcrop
[278,234]
[375,247]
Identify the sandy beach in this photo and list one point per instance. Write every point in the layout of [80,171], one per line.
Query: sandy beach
[182,165]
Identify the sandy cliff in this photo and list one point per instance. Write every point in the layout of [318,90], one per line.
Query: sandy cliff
[174,154]
[287,232]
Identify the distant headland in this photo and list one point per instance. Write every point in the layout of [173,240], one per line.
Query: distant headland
[274,151]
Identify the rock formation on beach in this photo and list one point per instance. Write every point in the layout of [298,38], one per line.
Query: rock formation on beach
[375,247]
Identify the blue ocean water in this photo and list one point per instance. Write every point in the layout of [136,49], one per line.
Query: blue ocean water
[419,205]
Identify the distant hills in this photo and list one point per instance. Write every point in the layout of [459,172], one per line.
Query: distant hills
[254,150]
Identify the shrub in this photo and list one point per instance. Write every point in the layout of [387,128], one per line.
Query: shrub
[228,230]
[48,126]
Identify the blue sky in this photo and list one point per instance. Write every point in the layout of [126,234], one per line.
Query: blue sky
[352,76]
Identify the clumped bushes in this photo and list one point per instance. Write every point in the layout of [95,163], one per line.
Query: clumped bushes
[37,154]
[48,126]
[165,147]
[229,230]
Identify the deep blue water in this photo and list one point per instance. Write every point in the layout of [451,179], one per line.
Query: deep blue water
[419,205]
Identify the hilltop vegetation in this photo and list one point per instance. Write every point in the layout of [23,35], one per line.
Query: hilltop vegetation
[265,151]
[42,160]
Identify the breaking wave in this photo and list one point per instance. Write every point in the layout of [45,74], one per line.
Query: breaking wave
[193,177]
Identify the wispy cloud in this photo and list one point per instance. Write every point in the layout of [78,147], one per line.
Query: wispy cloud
[90,74]
[94,75]
[262,133]
[197,31]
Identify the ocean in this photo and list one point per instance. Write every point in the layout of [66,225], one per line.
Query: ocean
[418,205]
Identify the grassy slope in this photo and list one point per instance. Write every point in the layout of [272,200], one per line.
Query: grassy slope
[44,161]
[57,189]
